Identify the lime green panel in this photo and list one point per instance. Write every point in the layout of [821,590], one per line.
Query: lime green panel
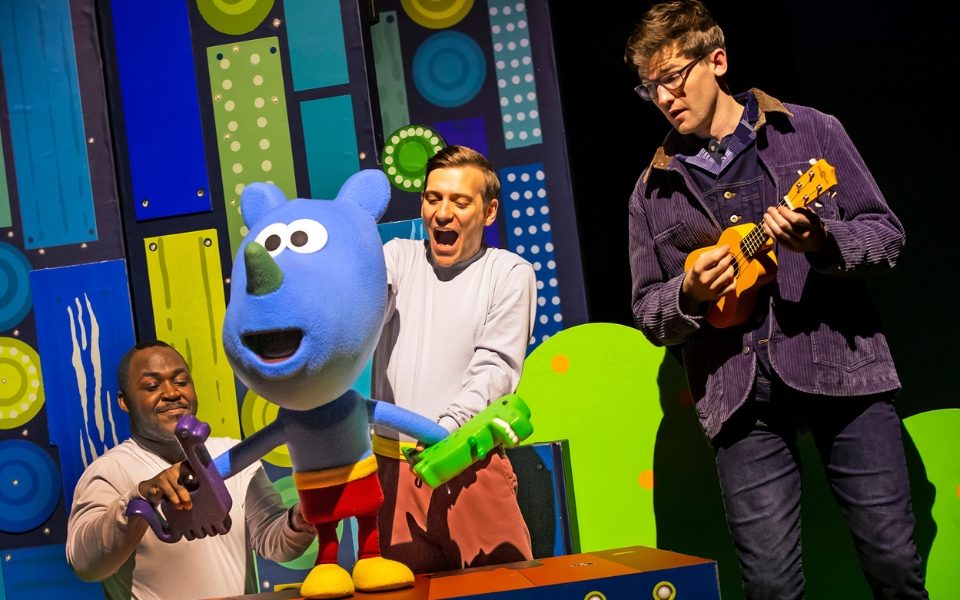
[596,386]
[437,14]
[388,63]
[250,112]
[21,384]
[5,219]
[934,434]
[234,17]
[186,288]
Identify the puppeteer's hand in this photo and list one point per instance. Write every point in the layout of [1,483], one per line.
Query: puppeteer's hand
[166,484]
[711,276]
[503,433]
[800,230]
[297,522]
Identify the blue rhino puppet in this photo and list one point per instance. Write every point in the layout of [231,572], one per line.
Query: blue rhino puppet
[308,298]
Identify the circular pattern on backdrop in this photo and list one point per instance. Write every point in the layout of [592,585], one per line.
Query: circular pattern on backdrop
[406,153]
[436,14]
[21,387]
[15,298]
[29,486]
[256,413]
[449,69]
[288,493]
[234,17]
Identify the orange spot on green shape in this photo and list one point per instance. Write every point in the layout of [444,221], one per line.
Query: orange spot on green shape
[560,363]
[646,479]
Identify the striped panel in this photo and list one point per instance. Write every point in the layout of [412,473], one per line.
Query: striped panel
[186,287]
[318,57]
[250,112]
[329,134]
[527,214]
[46,124]
[167,163]
[84,325]
[519,108]
[391,81]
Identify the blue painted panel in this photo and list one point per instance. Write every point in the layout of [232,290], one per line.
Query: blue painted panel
[471,133]
[164,138]
[449,69]
[407,230]
[526,208]
[84,325]
[329,134]
[15,297]
[46,123]
[318,57]
[550,456]
[43,572]
[29,486]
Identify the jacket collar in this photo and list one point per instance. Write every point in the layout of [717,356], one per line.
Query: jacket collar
[665,153]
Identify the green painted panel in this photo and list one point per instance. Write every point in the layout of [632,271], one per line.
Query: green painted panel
[391,82]
[186,288]
[592,385]
[250,112]
[5,220]
[935,435]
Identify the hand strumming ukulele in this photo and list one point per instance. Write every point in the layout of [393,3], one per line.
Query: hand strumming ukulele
[754,262]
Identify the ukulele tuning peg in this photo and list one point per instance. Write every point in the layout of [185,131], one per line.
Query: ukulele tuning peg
[812,161]
[799,172]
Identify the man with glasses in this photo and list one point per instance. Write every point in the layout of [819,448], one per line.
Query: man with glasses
[810,355]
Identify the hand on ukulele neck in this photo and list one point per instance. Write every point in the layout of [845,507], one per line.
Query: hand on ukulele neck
[800,230]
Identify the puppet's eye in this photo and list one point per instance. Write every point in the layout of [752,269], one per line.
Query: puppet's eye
[273,238]
[306,236]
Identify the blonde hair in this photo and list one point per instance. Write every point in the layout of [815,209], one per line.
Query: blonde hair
[461,156]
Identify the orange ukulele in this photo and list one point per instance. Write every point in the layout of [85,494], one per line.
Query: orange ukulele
[754,262]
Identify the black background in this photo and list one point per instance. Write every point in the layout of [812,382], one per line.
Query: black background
[883,70]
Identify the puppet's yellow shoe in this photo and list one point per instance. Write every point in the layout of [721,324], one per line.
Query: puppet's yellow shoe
[327,581]
[378,574]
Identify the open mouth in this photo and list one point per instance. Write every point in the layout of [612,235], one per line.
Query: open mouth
[274,346]
[445,237]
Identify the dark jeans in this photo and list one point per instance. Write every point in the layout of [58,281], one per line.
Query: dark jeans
[859,442]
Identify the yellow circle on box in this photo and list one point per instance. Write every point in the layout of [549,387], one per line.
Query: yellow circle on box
[21,386]
[255,414]
[436,14]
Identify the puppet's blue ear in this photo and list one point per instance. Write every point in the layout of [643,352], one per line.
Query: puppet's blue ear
[368,189]
[258,199]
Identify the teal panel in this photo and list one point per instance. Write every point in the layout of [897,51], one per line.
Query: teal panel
[318,57]
[516,82]
[46,123]
[329,135]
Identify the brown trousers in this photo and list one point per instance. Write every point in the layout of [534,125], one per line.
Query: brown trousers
[473,520]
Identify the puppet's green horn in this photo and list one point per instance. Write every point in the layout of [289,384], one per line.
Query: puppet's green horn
[263,274]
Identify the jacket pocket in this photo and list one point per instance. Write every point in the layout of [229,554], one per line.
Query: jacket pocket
[832,349]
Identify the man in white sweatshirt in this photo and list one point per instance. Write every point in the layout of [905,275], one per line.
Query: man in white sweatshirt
[103,544]
[459,319]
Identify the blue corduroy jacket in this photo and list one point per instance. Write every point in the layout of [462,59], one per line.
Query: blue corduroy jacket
[824,334]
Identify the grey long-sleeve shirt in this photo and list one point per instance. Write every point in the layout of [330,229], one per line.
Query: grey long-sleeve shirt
[454,338]
[146,568]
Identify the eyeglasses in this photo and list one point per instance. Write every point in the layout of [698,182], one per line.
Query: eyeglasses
[672,82]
